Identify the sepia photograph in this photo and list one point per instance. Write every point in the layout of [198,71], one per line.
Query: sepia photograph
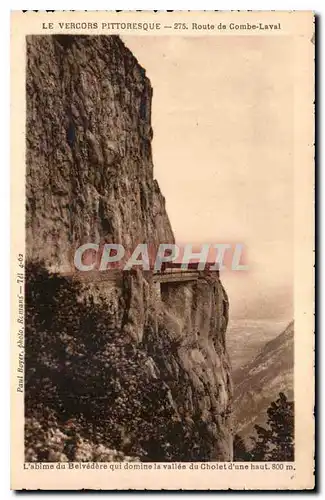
[156,285]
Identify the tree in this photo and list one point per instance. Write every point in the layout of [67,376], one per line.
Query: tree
[261,444]
[276,442]
[241,454]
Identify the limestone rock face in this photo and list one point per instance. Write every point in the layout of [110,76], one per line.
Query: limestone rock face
[89,164]
[190,345]
[90,179]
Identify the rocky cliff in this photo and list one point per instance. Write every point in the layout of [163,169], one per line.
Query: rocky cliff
[89,163]
[261,380]
[90,179]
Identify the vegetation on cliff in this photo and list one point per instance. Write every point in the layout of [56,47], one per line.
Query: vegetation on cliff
[88,389]
[275,441]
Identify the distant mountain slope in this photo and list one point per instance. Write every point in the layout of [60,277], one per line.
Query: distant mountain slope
[246,337]
[259,382]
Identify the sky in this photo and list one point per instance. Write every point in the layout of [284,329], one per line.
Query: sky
[222,117]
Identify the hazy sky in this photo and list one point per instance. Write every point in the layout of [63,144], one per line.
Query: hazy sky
[223,154]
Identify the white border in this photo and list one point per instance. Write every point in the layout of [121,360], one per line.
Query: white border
[317,6]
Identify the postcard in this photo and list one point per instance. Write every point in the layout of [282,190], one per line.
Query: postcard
[162,250]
